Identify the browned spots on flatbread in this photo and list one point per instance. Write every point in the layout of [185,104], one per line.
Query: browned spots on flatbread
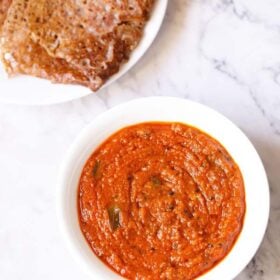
[4,6]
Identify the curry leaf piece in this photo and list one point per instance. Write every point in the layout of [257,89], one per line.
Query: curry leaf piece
[114,217]
[96,168]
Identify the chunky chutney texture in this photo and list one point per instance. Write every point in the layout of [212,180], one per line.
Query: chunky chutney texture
[161,201]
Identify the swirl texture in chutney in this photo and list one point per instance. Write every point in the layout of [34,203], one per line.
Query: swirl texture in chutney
[161,201]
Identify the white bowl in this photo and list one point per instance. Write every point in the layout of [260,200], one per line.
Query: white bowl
[176,110]
[28,90]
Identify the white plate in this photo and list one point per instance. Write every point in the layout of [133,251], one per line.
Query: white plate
[177,110]
[34,91]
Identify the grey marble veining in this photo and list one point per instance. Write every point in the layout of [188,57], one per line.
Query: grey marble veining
[222,53]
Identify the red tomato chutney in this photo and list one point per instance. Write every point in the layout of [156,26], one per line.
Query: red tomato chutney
[161,201]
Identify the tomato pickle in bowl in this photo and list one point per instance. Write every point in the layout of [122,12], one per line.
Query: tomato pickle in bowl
[163,188]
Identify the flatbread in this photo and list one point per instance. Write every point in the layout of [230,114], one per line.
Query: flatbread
[73,41]
[29,57]
[96,37]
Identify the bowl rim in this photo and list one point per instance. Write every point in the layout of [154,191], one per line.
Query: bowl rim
[242,257]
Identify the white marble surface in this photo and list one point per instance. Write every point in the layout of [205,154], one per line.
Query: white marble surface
[223,53]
